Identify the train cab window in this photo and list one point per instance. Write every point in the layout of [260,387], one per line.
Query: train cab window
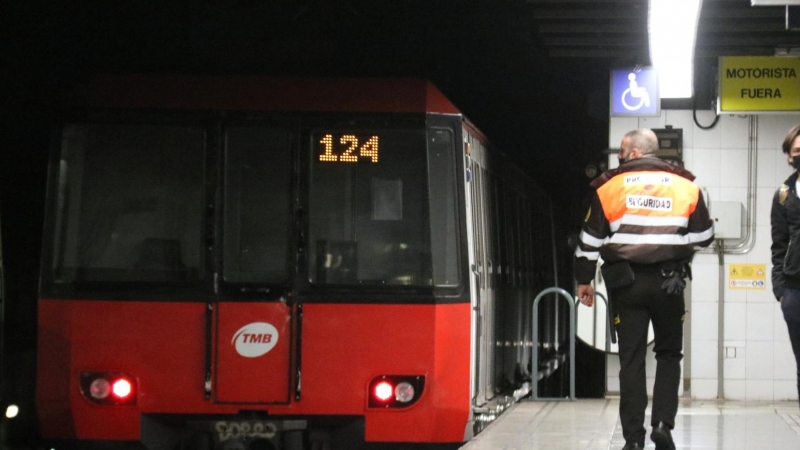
[444,221]
[256,224]
[129,204]
[368,208]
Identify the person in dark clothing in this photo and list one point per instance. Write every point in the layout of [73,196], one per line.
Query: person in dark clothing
[785,218]
[645,220]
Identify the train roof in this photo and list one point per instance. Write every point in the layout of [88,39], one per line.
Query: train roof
[256,93]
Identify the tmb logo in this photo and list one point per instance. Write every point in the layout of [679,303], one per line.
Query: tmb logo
[255,339]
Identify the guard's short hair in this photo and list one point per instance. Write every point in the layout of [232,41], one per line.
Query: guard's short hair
[790,137]
[644,139]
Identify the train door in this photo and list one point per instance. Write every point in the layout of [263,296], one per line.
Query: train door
[253,315]
[481,267]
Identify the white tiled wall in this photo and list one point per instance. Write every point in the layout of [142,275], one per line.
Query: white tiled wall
[758,362]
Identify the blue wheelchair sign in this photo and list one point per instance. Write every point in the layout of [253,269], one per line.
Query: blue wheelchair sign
[634,92]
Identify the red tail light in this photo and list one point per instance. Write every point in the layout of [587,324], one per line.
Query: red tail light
[108,388]
[384,391]
[122,388]
[395,391]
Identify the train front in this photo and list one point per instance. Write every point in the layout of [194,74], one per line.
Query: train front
[246,279]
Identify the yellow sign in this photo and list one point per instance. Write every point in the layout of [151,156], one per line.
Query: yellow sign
[759,83]
[747,276]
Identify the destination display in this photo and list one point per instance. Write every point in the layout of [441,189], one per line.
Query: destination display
[347,148]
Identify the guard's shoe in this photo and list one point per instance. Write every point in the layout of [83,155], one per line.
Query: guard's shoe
[662,437]
[633,446]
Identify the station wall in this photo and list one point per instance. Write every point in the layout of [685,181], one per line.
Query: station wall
[758,363]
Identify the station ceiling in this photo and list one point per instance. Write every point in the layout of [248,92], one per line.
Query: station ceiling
[617,29]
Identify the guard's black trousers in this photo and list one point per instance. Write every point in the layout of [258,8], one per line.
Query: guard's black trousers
[635,306]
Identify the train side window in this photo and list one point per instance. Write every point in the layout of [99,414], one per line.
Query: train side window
[130,204]
[444,222]
[256,193]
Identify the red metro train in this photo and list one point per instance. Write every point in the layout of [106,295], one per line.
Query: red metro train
[245,262]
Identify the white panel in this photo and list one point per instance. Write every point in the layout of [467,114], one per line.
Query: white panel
[735,131]
[650,363]
[713,193]
[785,364]
[759,390]
[761,253]
[727,217]
[734,295]
[706,287]
[767,159]
[706,166]
[682,119]
[734,369]
[612,365]
[767,133]
[763,296]
[764,208]
[734,194]
[653,122]
[734,168]
[707,138]
[782,170]
[758,365]
[759,322]
[688,158]
[734,389]
[613,385]
[785,390]
[735,321]
[704,358]
[618,126]
[704,322]
[704,389]
[650,384]
[735,259]
[784,123]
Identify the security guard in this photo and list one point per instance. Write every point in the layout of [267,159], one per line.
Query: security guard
[645,220]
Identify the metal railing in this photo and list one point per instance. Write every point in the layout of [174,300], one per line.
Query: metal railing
[535,364]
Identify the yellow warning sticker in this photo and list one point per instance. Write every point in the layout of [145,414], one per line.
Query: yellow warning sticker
[747,276]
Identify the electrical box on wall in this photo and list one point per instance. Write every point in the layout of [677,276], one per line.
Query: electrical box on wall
[727,217]
[670,144]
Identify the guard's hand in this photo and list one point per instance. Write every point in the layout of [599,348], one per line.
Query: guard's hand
[586,294]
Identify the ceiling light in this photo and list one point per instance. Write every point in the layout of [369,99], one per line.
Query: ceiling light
[672,26]
[773,2]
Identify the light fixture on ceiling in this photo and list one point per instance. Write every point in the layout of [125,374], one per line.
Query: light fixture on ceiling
[672,26]
[774,2]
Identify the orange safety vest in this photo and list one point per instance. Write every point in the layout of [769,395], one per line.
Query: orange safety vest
[645,212]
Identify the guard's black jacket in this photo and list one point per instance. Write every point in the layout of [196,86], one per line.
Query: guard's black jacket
[785,219]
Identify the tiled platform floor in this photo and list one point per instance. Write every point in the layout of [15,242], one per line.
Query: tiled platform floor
[594,425]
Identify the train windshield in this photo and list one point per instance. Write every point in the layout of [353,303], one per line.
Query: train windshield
[135,203]
[376,216]
[128,207]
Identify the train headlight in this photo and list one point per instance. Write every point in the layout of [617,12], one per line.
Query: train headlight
[404,392]
[108,388]
[395,391]
[99,388]
[12,411]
